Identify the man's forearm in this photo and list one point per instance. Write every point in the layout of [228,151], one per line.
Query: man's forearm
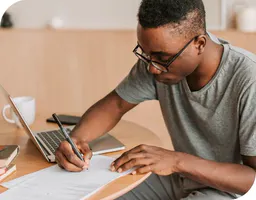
[101,118]
[93,124]
[227,177]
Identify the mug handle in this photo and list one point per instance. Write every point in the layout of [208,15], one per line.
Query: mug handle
[3,113]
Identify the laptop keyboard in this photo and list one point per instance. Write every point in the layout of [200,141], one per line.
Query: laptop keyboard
[52,139]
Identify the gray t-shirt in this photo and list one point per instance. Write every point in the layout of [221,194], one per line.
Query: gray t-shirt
[218,122]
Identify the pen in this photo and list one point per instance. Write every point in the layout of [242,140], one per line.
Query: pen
[68,138]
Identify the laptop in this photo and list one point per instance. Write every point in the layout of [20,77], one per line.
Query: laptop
[48,141]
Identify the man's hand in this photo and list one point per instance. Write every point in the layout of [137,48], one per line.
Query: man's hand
[148,159]
[67,159]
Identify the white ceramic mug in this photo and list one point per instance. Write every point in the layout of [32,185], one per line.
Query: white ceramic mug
[27,108]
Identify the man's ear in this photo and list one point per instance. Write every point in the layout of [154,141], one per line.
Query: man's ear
[201,43]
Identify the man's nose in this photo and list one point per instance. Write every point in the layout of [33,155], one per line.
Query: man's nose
[153,70]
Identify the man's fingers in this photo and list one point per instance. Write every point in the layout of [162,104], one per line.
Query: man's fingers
[126,158]
[140,148]
[58,162]
[134,150]
[64,163]
[145,169]
[134,163]
[86,151]
[66,149]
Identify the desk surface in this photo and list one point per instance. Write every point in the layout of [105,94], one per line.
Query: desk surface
[31,160]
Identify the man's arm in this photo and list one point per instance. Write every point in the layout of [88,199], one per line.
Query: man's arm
[96,121]
[101,117]
[223,176]
[227,177]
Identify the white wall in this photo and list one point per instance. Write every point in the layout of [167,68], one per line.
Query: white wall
[102,14]
[90,14]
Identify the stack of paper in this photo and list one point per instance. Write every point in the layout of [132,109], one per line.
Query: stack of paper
[54,183]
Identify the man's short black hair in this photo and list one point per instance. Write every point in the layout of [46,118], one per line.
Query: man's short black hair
[185,15]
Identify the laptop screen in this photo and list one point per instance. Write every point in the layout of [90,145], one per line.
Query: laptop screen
[21,118]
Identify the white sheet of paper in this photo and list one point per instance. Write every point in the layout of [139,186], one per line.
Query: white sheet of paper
[17,181]
[54,183]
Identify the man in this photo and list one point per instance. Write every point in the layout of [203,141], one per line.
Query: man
[207,92]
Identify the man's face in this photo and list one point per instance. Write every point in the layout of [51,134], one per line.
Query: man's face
[164,43]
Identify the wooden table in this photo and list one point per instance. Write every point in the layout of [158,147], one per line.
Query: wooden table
[31,160]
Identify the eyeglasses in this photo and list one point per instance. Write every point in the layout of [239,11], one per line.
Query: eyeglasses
[163,67]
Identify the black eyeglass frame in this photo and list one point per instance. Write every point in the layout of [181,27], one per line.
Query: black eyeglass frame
[168,63]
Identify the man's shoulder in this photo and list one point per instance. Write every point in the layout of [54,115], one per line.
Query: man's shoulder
[243,60]
[236,52]
[238,58]
[243,64]
[247,56]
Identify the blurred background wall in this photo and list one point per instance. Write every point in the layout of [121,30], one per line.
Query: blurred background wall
[106,14]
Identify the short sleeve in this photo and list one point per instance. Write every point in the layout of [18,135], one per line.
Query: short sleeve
[247,125]
[138,86]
